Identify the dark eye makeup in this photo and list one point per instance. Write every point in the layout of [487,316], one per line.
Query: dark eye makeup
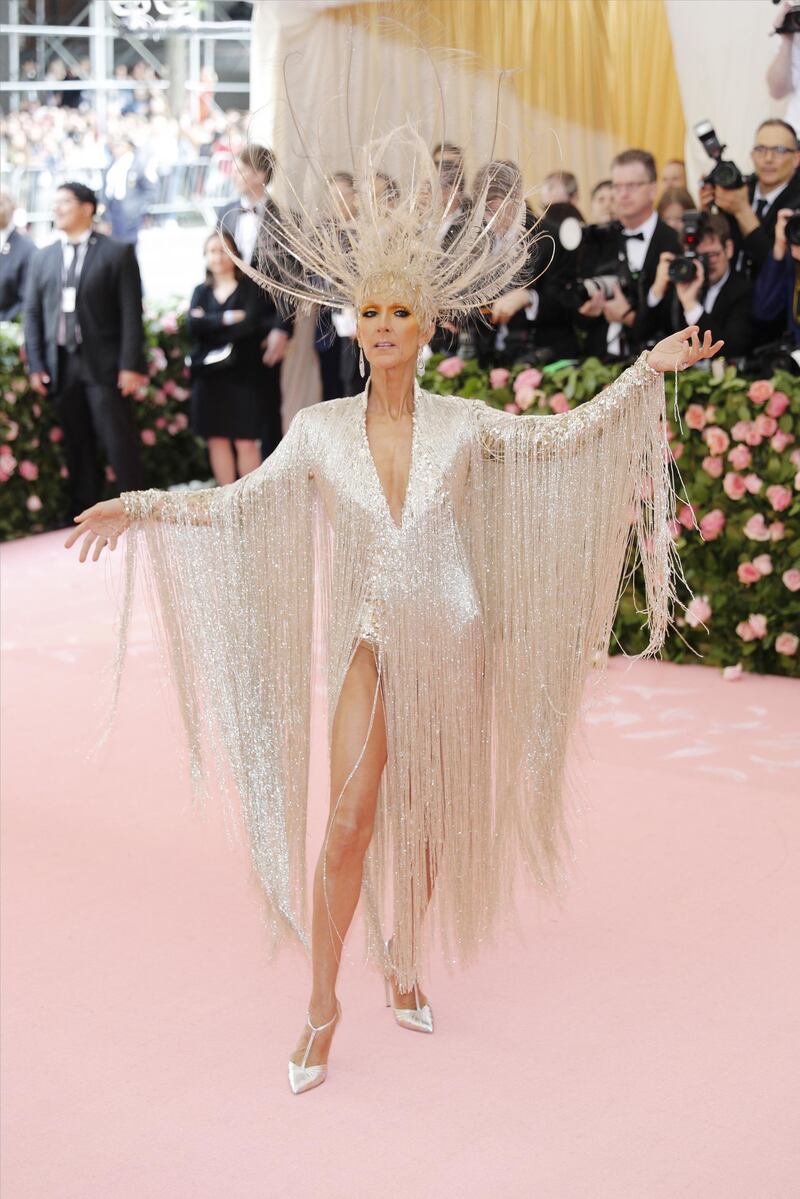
[401,312]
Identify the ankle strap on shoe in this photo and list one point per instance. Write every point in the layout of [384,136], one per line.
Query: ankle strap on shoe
[322,1027]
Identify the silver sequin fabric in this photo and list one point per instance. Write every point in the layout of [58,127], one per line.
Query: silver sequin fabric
[487,608]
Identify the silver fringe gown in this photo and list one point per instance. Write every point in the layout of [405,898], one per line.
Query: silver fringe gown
[487,607]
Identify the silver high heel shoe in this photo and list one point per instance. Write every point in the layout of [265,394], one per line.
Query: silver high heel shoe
[418,1019]
[303,1077]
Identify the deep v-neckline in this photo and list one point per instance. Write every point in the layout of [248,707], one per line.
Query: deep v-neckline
[373,468]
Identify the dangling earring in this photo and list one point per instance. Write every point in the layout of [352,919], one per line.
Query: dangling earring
[420,363]
[361,369]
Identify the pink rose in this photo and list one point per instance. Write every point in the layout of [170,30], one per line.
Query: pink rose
[33,503]
[758,624]
[528,378]
[29,470]
[699,611]
[676,450]
[753,484]
[56,434]
[791,579]
[713,467]
[748,573]
[181,393]
[169,387]
[158,360]
[740,430]
[160,422]
[776,530]
[760,391]
[780,441]
[159,397]
[740,457]
[756,528]
[716,439]
[744,631]
[733,486]
[8,464]
[674,530]
[794,457]
[524,397]
[498,377]
[765,425]
[148,436]
[12,431]
[511,408]
[753,436]
[797,481]
[559,402]
[450,367]
[786,643]
[779,496]
[732,674]
[181,421]
[111,474]
[64,473]
[778,404]
[763,564]
[169,324]
[712,524]
[695,416]
[686,516]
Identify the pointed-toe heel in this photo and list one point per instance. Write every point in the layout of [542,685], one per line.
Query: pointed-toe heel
[416,1019]
[303,1077]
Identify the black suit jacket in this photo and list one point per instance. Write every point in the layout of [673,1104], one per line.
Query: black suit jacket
[651,324]
[108,306]
[227,220]
[731,318]
[757,246]
[13,270]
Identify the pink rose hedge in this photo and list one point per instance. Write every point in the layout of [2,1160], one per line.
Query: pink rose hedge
[739,454]
[33,472]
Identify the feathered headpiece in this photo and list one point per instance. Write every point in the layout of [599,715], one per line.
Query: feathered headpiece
[320,249]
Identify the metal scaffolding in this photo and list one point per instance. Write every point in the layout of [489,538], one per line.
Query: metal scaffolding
[190,42]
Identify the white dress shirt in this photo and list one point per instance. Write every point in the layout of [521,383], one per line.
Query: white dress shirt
[246,234]
[636,251]
[69,247]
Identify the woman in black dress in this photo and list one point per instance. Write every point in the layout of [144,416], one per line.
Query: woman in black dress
[228,320]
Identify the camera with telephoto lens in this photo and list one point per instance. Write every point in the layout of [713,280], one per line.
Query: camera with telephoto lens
[683,269]
[604,246]
[792,230]
[791,20]
[724,173]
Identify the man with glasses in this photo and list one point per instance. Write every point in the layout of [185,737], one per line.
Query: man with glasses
[620,327]
[718,298]
[754,208]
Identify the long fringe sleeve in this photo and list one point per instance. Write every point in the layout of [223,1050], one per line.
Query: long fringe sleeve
[230,576]
[562,509]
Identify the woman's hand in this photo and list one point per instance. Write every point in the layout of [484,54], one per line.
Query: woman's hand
[102,524]
[682,349]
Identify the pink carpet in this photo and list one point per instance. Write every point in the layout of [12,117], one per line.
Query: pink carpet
[642,1044]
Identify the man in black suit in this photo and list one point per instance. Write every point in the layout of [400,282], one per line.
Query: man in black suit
[754,208]
[718,299]
[84,343]
[244,220]
[621,325]
[15,252]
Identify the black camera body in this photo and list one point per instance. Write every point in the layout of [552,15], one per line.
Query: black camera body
[724,173]
[791,20]
[603,251]
[792,230]
[683,269]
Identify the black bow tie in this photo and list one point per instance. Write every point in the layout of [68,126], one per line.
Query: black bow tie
[633,236]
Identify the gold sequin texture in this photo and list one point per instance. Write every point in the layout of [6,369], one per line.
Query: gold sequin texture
[487,609]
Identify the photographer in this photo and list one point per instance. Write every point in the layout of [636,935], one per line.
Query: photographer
[754,206]
[776,300]
[528,323]
[783,73]
[717,297]
[619,325]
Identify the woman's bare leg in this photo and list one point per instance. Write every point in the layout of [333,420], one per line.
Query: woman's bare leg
[337,882]
[222,459]
[248,456]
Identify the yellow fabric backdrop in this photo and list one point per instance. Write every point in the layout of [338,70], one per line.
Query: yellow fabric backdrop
[601,65]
